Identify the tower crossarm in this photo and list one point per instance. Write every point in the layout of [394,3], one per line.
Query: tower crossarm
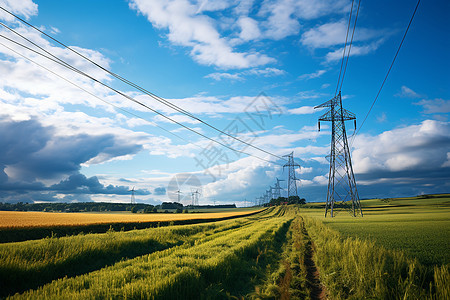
[336,115]
[329,103]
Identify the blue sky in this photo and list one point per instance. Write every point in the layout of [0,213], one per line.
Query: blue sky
[220,60]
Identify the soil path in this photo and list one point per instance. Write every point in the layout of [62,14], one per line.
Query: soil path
[316,288]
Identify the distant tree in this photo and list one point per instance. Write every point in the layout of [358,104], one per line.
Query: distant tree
[148,209]
[134,209]
[171,205]
[296,200]
[179,210]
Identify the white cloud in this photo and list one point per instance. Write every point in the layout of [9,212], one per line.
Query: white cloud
[24,8]
[283,15]
[406,92]
[267,72]
[316,74]
[281,21]
[303,110]
[435,106]
[187,27]
[249,29]
[416,147]
[220,76]
[355,51]
[325,35]
[334,33]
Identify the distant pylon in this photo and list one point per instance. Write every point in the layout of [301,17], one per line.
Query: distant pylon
[269,194]
[292,180]
[133,200]
[277,189]
[341,180]
[195,194]
[178,193]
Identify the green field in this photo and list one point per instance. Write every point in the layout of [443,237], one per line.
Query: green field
[419,226]
[398,250]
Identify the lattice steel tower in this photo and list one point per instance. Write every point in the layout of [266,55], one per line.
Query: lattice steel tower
[277,189]
[292,180]
[342,192]
[133,199]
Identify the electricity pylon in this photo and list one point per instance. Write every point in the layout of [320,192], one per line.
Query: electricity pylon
[277,189]
[341,180]
[178,193]
[133,200]
[269,194]
[292,180]
[195,193]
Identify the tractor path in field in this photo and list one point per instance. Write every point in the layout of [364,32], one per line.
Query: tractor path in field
[316,288]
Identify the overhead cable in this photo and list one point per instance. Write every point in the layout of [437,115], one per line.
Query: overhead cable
[143,90]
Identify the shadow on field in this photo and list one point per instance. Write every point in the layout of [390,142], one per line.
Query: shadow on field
[15,280]
[19,278]
[237,277]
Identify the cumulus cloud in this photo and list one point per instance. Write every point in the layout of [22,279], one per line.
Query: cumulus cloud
[80,184]
[212,41]
[25,8]
[417,147]
[188,27]
[249,29]
[31,153]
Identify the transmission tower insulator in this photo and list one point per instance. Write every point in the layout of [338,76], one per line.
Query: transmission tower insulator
[342,192]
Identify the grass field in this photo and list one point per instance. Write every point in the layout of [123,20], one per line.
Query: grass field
[419,226]
[287,252]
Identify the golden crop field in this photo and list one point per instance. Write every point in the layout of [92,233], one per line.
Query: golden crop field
[37,219]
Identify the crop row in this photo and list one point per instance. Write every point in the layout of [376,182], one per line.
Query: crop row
[30,264]
[352,268]
[204,266]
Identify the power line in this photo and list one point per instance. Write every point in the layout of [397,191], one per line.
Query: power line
[345,47]
[350,47]
[389,70]
[157,98]
[68,66]
[95,96]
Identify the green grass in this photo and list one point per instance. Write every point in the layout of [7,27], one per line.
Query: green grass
[210,265]
[353,268]
[397,250]
[418,226]
[30,264]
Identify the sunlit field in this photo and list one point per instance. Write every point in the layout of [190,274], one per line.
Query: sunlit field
[419,226]
[37,219]
[284,252]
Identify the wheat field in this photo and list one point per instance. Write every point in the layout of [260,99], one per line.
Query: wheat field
[39,219]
